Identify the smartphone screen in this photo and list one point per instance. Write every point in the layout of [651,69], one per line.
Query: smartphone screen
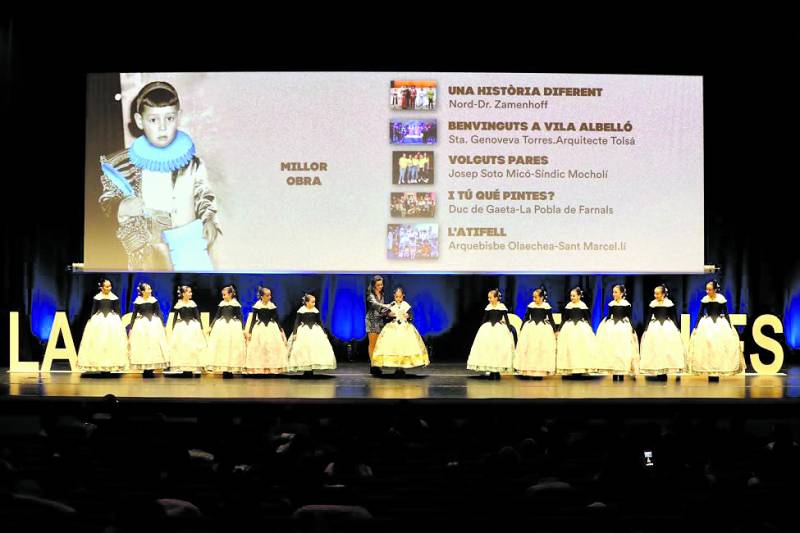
[647,458]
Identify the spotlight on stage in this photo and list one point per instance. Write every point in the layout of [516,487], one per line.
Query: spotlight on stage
[75,267]
[710,269]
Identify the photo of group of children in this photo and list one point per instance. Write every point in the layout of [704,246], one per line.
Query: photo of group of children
[412,167]
[413,204]
[412,131]
[413,95]
[412,241]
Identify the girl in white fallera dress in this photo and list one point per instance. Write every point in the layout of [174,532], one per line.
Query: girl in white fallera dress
[492,350]
[188,344]
[536,349]
[226,343]
[149,350]
[616,339]
[267,352]
[714,348]
[309,347]
[399,345]
[104,345]
[576,345]
[662,350]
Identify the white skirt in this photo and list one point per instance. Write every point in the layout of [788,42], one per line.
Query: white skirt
[618,346]
[576,349]
[267,352]
[149,348]
[226,347]
[400,346]
[714,349]
[310,349]
[104,345]
[188,346]
[492,350]
[662,350]
[536,350]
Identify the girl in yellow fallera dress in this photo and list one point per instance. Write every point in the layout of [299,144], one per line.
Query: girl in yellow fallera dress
[400,345]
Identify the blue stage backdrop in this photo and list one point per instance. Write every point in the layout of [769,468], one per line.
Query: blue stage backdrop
[792,321]
[447,308]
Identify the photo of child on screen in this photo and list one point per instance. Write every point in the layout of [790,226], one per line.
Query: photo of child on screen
[166,208]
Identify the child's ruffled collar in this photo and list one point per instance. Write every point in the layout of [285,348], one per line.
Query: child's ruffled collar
[177,155]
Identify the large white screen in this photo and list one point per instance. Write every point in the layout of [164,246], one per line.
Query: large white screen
[570,173]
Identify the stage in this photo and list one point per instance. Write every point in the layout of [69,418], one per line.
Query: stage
[445,383]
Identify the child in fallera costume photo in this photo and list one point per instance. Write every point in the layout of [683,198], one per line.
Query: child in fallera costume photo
[165,206]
